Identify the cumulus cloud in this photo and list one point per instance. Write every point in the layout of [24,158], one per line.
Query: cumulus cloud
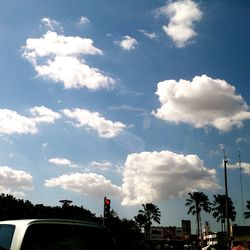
[11,122]
[202,102]
[61,161]
[155,176]
[44,114]
[85,183]
[14,181]
[147,177]
[182,14]
[60,58]
[127,43]
[94,120]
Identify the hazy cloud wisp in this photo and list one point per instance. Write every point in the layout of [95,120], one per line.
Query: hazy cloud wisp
[127,43]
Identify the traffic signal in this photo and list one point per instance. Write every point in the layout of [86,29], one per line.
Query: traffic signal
[107,203]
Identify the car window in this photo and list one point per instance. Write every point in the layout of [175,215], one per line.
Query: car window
[67,237]
[6,234]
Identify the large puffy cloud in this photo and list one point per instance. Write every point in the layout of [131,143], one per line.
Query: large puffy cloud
[85,118]
[13,123]
[201,102]
[14,181]
[147,177]
[154,176]
[182,15]
[60,59]
[85,183]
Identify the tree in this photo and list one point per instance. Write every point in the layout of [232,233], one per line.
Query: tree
[219,209]
[247,213]
[197,202]
[149,213]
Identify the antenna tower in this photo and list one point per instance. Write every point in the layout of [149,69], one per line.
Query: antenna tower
[241,190]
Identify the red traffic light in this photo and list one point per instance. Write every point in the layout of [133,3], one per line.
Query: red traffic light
[107,202]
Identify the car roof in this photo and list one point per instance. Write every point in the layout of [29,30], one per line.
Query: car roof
[27,222]
[22,225]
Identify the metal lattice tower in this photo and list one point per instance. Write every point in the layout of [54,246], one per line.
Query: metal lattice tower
[241,190]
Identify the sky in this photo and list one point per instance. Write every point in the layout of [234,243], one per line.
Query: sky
[132,100]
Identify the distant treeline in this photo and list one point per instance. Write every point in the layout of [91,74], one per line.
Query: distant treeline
[12,208]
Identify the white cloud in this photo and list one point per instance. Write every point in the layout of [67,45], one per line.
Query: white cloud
[60,58]
[127,43]
[147,177]
[43,114]
[74,73]
[104,128]
[61,161]
[14,181]
[51,24]
[182,14]
[245,167]
[242,140]
[85,183]
[155,176]
[201,102]
[151,35]
[11,122]
[83,20]
[103,165]
[53,44]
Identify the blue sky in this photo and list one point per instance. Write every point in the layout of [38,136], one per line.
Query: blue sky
[133,100]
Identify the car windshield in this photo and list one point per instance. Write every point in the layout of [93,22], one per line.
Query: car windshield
[67,237]
[6,234]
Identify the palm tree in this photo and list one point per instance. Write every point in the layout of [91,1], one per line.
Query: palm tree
[219,209]
[197,202]
[247,214]
[149,213]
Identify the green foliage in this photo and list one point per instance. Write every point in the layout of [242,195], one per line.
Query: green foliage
[149,213]
[197,202]
[219,208]
[247,213]
[12,208]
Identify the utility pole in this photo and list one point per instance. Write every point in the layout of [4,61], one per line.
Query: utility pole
[226,197]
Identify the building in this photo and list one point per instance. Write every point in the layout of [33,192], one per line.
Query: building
[172,236]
